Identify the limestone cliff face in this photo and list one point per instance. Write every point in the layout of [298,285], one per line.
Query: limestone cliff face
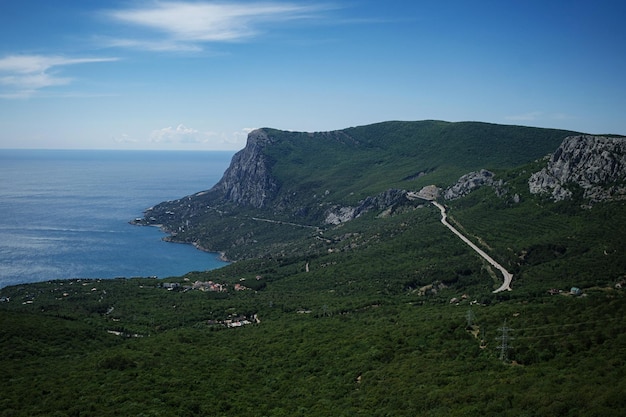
[597,164]
[386,201]
[475,180]
[468,183]
[248,180]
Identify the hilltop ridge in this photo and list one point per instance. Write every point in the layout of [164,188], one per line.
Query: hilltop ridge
[325,178]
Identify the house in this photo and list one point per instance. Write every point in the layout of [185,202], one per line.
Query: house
[171,285]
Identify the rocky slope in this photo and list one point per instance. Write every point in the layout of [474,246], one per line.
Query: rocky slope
[596,164]
[469,182]
[248,180]
[384,203]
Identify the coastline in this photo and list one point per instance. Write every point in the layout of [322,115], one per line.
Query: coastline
[222,254]
[57,224]
[171,238]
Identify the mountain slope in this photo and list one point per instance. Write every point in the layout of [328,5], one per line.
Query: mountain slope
[384,313]
[302,178]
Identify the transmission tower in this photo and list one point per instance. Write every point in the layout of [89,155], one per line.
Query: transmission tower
[504,342]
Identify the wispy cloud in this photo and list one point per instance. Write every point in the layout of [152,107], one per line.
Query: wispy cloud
[238,138]
[149,45]
[185,26]
[124,138]
[181,134]
[22,76]
[183,137]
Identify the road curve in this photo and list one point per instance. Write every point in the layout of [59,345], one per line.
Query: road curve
[508,277]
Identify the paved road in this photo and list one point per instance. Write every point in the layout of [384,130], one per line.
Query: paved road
[508,277]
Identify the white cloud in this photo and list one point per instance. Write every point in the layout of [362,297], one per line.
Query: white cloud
[185,25]
[183,137]
[180,134]
[148,45]
[124,138]
[22,76]
[237,139]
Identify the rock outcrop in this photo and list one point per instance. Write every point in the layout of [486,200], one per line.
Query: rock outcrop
[470,182]
[597,164]
[385,201]
[248,180]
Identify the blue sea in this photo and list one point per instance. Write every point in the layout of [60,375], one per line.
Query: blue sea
[65,214]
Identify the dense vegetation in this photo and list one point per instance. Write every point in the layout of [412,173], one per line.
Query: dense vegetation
[316,171]
[385,315]
[363,161]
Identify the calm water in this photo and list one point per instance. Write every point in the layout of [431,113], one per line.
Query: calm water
[64,214]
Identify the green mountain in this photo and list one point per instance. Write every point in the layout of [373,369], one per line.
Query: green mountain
[302,178]
[349,297]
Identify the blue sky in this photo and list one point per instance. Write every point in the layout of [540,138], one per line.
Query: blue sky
[151,74]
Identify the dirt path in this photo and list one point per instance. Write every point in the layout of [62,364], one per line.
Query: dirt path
[258,219]
[508,277]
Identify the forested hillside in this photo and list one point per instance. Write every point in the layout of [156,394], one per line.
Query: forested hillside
[300,177]
[385,312]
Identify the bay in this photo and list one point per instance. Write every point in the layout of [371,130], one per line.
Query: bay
[65,213]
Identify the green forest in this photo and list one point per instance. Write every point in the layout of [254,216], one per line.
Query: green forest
[389,314]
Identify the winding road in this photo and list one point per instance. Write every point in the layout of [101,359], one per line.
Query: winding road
[508,277]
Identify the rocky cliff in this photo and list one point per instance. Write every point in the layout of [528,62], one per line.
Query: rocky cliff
[474,180]
[596,164]
[468,183]
[385,203]
[248,180]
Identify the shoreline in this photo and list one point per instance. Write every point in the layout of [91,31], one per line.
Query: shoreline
[171,238]
[222,254]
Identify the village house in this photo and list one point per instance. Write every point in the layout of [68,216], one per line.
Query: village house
[208,286]
[198,285]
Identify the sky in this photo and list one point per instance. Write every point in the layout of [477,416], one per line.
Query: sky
[200,74]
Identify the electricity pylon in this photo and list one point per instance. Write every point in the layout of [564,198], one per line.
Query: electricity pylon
[504,342]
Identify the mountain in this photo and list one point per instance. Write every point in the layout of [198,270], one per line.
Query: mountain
[350,295]
[361,190]
[318,179]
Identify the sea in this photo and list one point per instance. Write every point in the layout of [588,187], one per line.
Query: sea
[65,213]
